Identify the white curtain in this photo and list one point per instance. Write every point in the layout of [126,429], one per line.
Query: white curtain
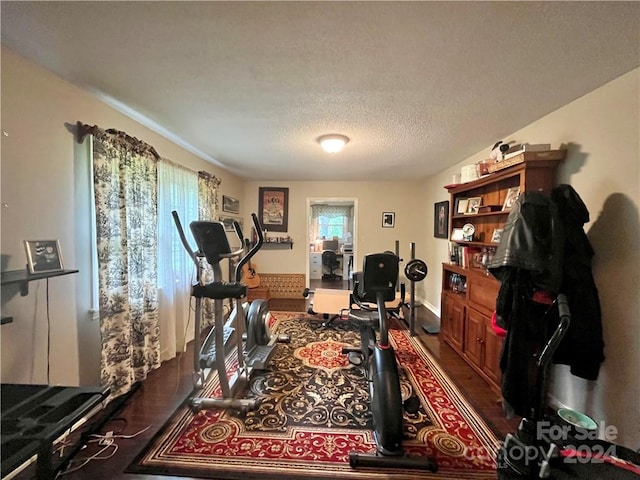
[177,190]
[345,212]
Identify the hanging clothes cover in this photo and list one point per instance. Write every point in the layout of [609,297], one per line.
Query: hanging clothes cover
[544,251]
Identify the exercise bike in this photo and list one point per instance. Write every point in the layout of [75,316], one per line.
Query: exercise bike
[563,447]
[255,347]
[376,285]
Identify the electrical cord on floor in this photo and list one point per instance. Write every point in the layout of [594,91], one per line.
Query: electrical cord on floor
[107,441]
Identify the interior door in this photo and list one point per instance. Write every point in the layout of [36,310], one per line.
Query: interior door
[315,243]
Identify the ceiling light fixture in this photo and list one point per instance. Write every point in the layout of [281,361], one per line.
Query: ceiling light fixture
[333,143]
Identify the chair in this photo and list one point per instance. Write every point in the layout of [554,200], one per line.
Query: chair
[330,260]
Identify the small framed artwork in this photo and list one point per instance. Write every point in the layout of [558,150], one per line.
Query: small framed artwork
[388,219]
[441,220]
[461,205]
[497,234]
[43,255]
[273,205]
[230,205]
[510,199]
[473,205]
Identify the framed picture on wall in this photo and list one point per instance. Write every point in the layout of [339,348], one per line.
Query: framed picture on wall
[230,204]
[273,205]
[43,255]
[441,219]
[388,219]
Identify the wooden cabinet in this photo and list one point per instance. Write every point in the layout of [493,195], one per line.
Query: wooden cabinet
[468,300]
[469,292]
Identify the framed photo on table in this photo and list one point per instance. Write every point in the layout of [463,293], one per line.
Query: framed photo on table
[43,256]
[273,205]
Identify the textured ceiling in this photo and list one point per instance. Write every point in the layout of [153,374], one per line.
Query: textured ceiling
[417,86]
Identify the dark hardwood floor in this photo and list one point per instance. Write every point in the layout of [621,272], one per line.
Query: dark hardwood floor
[145,412]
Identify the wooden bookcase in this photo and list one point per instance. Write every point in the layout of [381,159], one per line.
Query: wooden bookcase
[469,293]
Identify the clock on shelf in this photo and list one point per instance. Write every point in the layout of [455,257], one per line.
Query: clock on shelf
[467,231]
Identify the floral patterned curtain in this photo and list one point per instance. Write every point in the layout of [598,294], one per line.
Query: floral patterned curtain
[208,210]
[331,211]
[208,195]
[125,183]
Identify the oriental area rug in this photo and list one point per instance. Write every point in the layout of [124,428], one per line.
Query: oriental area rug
[314,411]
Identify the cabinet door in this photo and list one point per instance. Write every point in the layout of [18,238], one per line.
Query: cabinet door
[445,316]
[483,292]
[453,321]
[492,353]
[474,338]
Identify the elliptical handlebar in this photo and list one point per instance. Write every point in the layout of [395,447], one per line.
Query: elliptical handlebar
[244,260]
[238,230]
[183,239]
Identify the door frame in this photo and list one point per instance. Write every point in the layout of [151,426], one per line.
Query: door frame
[329,200]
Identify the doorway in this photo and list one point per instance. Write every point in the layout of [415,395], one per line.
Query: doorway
[331,220]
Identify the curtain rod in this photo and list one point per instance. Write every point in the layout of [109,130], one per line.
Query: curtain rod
[83,130]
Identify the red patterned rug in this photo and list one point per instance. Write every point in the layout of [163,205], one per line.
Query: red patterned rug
[314,410]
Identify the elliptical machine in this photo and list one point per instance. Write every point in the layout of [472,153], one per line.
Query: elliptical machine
[376,285]
[256,347]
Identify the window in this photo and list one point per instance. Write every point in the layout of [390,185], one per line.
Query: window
[328,221]
[329,227]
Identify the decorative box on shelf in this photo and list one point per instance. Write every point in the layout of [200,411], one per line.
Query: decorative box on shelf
[526,157]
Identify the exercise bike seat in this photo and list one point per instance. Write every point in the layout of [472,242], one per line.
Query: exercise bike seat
[220,290]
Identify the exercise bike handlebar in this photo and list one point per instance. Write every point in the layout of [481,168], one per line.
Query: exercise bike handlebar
[552,345]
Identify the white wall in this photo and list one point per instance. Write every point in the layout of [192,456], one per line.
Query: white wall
[601,132]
